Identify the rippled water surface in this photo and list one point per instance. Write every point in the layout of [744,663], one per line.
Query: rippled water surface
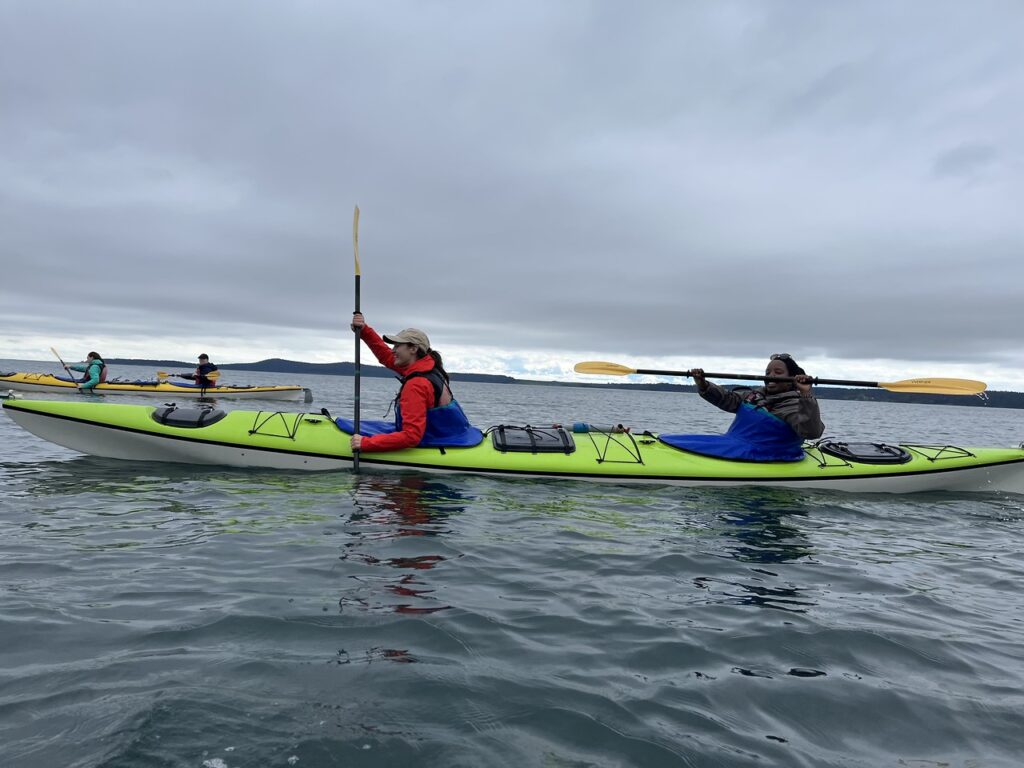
[159,615]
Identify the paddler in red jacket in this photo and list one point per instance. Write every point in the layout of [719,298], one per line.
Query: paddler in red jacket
[426,413]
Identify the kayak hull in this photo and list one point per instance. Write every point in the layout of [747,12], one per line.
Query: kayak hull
[50,384]
[304,441]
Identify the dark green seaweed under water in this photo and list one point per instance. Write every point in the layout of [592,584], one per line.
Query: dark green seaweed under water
[169,615]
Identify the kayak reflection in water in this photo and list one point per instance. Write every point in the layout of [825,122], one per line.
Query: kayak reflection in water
[771,421]
[391,506]
[426,412]
[404,505]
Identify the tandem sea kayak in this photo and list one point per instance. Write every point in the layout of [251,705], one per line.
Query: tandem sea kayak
[309,441]
[45,382]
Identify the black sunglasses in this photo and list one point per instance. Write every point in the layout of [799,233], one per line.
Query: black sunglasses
[781,356]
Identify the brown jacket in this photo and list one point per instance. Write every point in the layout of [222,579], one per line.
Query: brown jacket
[801,413]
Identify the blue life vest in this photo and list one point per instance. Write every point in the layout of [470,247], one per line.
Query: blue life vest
[754,435]
[447,425]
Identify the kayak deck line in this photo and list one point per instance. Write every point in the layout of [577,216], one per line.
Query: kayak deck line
[251,439]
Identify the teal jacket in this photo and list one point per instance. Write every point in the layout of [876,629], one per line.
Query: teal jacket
[93,373]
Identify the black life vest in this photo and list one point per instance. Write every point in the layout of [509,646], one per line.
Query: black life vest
[436,380]
[202,378]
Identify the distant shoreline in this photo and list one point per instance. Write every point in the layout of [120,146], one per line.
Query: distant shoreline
[995,399]
[279,365]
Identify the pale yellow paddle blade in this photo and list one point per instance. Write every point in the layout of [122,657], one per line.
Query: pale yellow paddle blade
[605,369]
[936,386]
[162,374]
[355,238]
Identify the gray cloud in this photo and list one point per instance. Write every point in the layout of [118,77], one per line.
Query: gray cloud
[967,160]
[725,179]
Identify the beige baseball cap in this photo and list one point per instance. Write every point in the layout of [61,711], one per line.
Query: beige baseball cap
[413,336]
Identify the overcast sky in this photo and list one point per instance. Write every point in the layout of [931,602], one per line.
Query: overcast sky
[661,184]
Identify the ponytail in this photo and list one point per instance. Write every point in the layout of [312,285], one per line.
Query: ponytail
[438,363]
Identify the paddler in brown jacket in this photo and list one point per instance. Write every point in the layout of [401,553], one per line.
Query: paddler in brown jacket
[771,421]
[794,402]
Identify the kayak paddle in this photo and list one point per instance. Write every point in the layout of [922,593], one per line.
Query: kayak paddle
[923,386]
[55,354]
[355,383]
[162,376]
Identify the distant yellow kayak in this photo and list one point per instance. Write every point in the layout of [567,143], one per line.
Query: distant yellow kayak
[47,382]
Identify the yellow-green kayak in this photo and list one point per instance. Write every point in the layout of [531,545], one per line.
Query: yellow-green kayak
[309,441]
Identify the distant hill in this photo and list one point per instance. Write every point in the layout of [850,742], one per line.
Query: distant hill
[279,365]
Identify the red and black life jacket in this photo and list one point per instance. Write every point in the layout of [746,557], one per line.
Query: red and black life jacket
[103,371]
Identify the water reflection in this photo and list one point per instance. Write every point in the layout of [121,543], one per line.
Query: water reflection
[183,504]
[404,504]
[758,525]
[388,509]
[761,523]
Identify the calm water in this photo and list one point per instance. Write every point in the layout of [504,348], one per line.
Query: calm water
[157,615]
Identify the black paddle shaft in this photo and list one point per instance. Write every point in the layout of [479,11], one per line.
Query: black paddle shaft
[746,377]
[355,383]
